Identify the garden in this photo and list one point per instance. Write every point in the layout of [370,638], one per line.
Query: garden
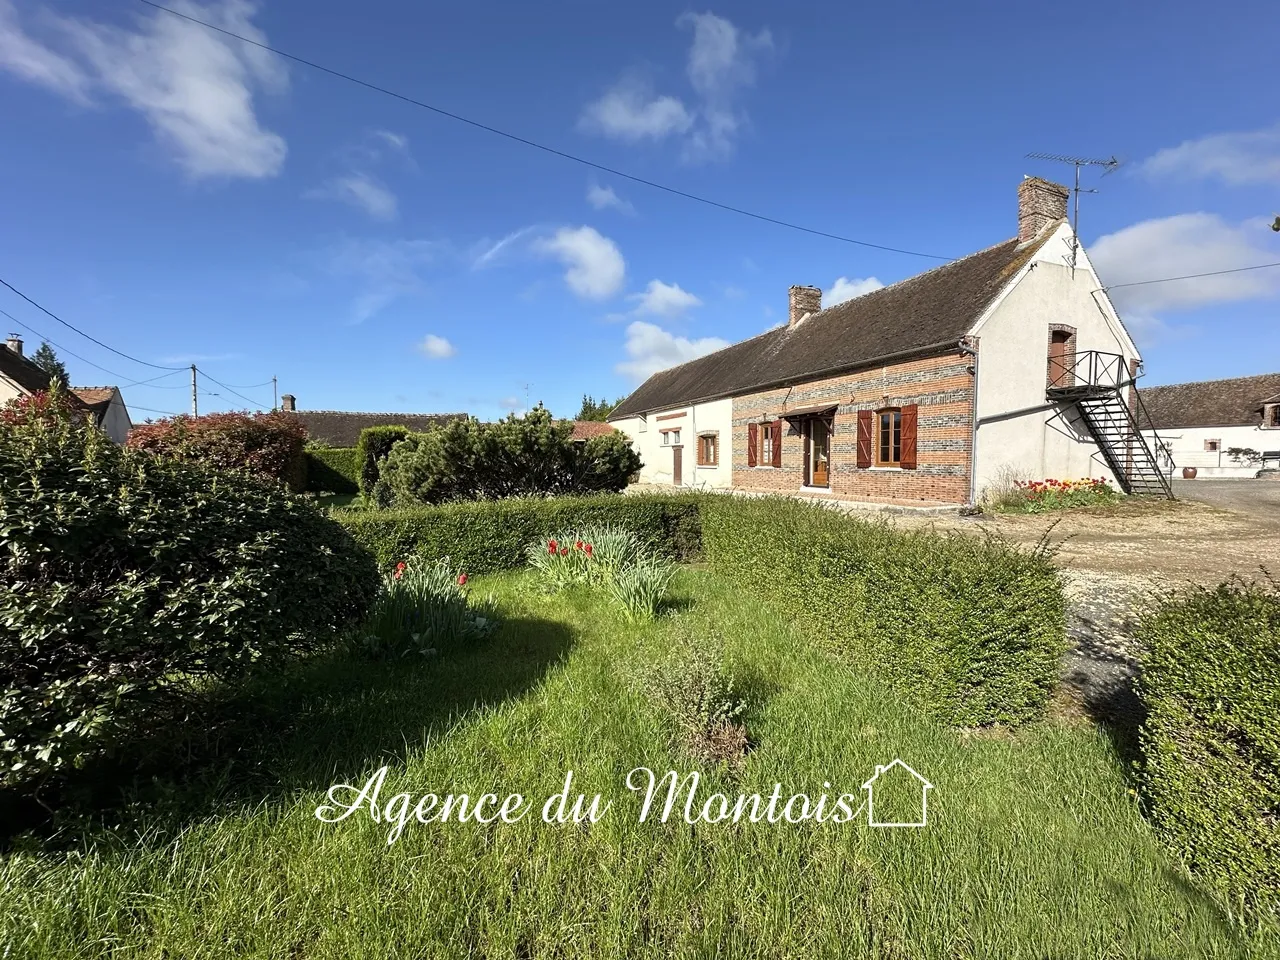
[201,671]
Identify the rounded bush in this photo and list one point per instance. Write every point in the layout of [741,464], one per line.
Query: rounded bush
[125,576]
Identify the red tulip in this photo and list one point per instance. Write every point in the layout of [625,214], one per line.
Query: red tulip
[462,579]
[578,545]
[552,546]
[564,551]
[587,549]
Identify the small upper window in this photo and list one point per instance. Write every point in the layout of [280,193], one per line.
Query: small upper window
[1271,415]
[1212,446]
[889,438]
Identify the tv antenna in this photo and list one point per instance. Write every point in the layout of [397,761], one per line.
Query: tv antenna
[1110,166]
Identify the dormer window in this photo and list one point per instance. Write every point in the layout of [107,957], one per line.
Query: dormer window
[1271,416]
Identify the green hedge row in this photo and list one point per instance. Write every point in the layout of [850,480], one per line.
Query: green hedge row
[492,535]
[1211,740]
[333,470]
[971,630]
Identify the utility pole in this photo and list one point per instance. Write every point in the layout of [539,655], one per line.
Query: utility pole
[1110,166]
[274,402]
[195,409]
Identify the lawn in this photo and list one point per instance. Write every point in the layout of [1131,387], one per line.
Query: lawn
[1035,846]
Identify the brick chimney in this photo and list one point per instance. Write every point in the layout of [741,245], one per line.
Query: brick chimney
[289,402]
[14,343]
[1040,202]
[804,301]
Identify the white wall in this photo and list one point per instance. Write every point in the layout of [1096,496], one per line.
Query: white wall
[116,423]
[1186,446]
[1018,434]
[645,433]
[8,389]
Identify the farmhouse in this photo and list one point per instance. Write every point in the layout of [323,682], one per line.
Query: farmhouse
[20,377]
[1008,363]
[1202,422]
[341,428]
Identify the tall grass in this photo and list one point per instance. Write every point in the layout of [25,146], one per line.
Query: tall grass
[1035,846]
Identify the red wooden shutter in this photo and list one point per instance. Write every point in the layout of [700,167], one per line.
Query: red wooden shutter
[908,437]
[753,443]
[777,443]
[864,438]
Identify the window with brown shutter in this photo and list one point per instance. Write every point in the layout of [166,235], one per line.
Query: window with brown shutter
[888,448]
[910,417]
[864,438]
[777,443]
[753,440]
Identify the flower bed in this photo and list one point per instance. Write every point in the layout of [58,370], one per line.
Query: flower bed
[1038,496]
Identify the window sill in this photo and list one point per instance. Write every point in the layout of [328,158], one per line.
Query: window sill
[805,488]
[886,469]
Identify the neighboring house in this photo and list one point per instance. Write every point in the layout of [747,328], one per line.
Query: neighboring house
[584,430]
[1201,421]
[108,409]
[341,428]
[1010,363]
[20,377]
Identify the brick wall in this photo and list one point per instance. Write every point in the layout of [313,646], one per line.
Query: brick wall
[941,386]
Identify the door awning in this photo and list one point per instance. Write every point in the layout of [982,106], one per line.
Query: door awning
[816,410]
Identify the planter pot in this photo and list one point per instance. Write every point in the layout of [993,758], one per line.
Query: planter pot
[1188,473]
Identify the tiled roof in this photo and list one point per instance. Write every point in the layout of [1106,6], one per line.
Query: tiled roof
[586,429]
[92,396]
[22,371]
[341,428]
[1209,403]
[932,310]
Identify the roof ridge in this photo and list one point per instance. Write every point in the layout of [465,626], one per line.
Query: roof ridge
[378,413]
[1196,383]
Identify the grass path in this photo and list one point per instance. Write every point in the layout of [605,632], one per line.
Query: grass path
[1035,847]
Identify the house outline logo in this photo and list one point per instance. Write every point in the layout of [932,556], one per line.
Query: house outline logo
[869,786]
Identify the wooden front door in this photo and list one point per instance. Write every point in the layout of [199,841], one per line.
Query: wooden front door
[1060,359]
[819,454]
[677,466]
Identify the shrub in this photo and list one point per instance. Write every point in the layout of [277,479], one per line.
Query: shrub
[333,470]
[1038,496]
[422,607]
[973,630]
[128,579]
[268,446]
[520,456]
[1211,741]
[641,586]
[372,448]
[493,535]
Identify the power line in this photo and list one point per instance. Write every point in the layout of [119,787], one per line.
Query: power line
[1191,276]
[225,387]
[167,413]
[248,386]
[70,326]
[539,146]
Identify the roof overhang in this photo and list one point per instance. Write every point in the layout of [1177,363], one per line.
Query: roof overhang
[813,410]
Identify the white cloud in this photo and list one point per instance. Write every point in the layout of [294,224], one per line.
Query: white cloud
[596,269]
[845,289]
[195,88]
[397,140]
[650,349]
[664,300]
[490,252]
[386,270]
[437,348]
[362,191]
[36,63]
[630,111]
[1234,158]
[603,198]
[722,62]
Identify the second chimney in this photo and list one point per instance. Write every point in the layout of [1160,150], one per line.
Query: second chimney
[804,301]
[1040,202]
[14,343]
[289,403]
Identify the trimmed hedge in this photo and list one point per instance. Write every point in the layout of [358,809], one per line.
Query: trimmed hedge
[972,630]
[333,470]
[492,535]
[1211,740]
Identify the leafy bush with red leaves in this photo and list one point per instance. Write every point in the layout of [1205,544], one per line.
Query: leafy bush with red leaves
[265,445]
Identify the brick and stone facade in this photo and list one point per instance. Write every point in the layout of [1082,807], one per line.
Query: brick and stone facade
[941,386]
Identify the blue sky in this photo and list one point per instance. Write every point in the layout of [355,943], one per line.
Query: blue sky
[186,198]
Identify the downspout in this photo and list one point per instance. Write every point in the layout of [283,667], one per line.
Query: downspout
[965,347]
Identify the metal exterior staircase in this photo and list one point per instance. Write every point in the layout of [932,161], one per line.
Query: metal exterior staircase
[1098,384]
